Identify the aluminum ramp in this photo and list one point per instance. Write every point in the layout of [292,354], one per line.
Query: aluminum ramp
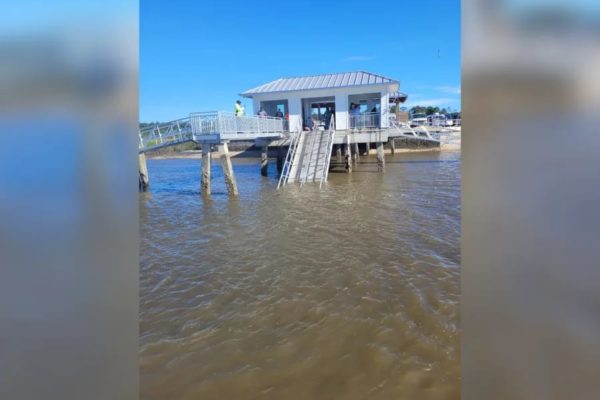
[308,157]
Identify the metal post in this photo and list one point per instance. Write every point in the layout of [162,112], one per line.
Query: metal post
[159,134]
[228,170]
[264,161]
[205,173]
[144,181]
[380,157]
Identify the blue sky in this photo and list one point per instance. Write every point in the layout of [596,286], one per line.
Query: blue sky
[199,55]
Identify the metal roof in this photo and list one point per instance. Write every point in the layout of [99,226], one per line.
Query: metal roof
[327,81]
[398,95]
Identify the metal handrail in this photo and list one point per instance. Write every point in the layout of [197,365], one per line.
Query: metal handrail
[331,134]
[289,158]
[399,126]
[364,120]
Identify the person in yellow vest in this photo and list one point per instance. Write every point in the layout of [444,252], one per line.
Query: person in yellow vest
[239,109]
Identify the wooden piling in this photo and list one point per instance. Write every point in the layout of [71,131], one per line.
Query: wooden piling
[228,170]
[205,173]
[348,155]
[143,180]
[368,148]
[380,157]
[393,145]
[338,152]
[356,154]
[264,161]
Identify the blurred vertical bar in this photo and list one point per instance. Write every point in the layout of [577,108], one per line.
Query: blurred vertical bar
[68,200]
[531,225]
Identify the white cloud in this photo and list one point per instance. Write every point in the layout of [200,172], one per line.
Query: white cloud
[448,89]
[358,58]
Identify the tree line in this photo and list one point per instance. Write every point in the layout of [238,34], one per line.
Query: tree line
[429,110]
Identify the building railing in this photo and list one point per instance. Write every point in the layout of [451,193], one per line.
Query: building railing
[364,120]
[225,123]
[157,135]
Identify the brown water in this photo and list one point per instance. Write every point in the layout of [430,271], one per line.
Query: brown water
[346,292]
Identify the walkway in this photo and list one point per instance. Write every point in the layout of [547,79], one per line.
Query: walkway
[212,127]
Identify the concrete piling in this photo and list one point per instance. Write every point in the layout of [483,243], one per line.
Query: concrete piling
[206,165]
[348,156]
[264,161]
[143,180]
[338,152]
[380,157]
[228,170]
[393,146]
[356,154]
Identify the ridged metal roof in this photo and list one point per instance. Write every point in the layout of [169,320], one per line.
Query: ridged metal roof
[344,79]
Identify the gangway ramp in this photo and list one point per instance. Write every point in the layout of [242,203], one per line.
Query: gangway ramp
[309,156]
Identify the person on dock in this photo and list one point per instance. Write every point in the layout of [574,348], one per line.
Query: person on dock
[239,109]
[279,114]
[354,115]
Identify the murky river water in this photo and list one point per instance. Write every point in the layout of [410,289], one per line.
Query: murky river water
[346,292]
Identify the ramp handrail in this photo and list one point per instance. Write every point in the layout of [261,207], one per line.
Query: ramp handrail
[401,127]
[287,165]
[227,123]
[329,149]
[169,133]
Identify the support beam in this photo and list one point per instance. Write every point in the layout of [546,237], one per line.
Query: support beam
[205,173]
[228,170]
[144,180]
[380,157]
[348,154]
[264,161]
[279,159]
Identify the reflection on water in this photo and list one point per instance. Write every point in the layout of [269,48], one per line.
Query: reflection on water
[345,292]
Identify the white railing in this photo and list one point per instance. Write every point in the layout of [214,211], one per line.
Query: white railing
[158,135]
[225,123]
[364,120]
[291,154]
[405,130]
[327,161]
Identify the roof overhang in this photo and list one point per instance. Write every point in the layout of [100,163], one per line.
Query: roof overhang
[250,95]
